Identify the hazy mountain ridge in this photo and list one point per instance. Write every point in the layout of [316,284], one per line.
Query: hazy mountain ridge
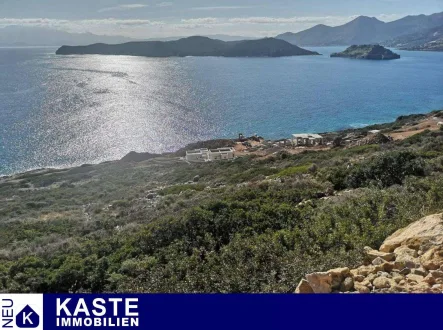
[362,30]
[193,46]
[14,35]
[38,36]
[431,40]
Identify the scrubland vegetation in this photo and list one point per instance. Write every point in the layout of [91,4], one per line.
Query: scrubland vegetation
[248,225]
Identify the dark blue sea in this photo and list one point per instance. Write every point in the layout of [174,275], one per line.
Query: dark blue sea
[60,111]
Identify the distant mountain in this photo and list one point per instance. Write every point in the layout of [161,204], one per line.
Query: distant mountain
[15,35]
[38,36]
[429,40]
[362,30]
[368,52]
[227,37]
[223,37]
[193,46]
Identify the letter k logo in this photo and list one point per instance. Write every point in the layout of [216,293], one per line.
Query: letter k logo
[27,318]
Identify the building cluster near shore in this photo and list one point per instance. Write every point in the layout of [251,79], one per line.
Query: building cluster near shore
[307,139]
[209,155]
[227,153]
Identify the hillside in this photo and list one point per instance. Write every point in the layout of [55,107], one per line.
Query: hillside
[259,223]
[193,46]
[367,52]
[362,30]
[429,40]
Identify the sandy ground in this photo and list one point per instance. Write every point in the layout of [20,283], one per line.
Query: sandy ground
[407,131]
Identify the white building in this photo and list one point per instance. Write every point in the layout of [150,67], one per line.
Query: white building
[198,155]
[221,153]
[206,155]
[307,139]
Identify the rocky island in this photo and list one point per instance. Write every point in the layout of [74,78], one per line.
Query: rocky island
[193,46]
[368,52]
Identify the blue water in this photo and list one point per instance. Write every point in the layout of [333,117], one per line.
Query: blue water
[62,111]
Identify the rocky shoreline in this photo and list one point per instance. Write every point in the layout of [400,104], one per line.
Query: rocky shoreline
[409,261]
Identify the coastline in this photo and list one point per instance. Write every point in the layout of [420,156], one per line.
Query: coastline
[133,156]
[276,202]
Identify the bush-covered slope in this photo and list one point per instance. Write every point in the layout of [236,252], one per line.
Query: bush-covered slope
[248,225]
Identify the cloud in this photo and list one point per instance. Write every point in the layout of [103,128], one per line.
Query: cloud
[282,20]
[222,7]
[77,24]
[332,20]
[164,4]
[123,7]
[203,20]
[296,20]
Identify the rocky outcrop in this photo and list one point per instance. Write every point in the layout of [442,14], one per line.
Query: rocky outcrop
[409,261]
[427,231]
[368,52]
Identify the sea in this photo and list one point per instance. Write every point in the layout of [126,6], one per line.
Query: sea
[60,111]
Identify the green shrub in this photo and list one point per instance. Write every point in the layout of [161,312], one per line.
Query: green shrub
[386,170]
[177,189]
[294,170]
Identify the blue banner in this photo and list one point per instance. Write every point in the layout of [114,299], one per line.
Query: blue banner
[218,311]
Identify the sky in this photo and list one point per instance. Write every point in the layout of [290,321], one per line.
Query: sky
[163,18]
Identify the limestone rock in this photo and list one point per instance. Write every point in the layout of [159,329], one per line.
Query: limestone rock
[382,283]
[406,257]
[398,278]
[436,273]
[361,288]
[320,282]
[388,266]
[347,285]
[410,261]
[414,278]
[304,287]
[373,254]
[405,251]
[428,229]
[433,259]
[422,287]
[366,270]
[405,271]
[337,276]
[359,278]
[430,279]
[378,261]
[419,271]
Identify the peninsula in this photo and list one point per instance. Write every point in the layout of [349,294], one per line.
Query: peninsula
[193,46]
[368,52]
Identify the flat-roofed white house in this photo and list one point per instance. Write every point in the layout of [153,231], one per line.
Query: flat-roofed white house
[221,153]
[307,139]
[208,155]
[197,155]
